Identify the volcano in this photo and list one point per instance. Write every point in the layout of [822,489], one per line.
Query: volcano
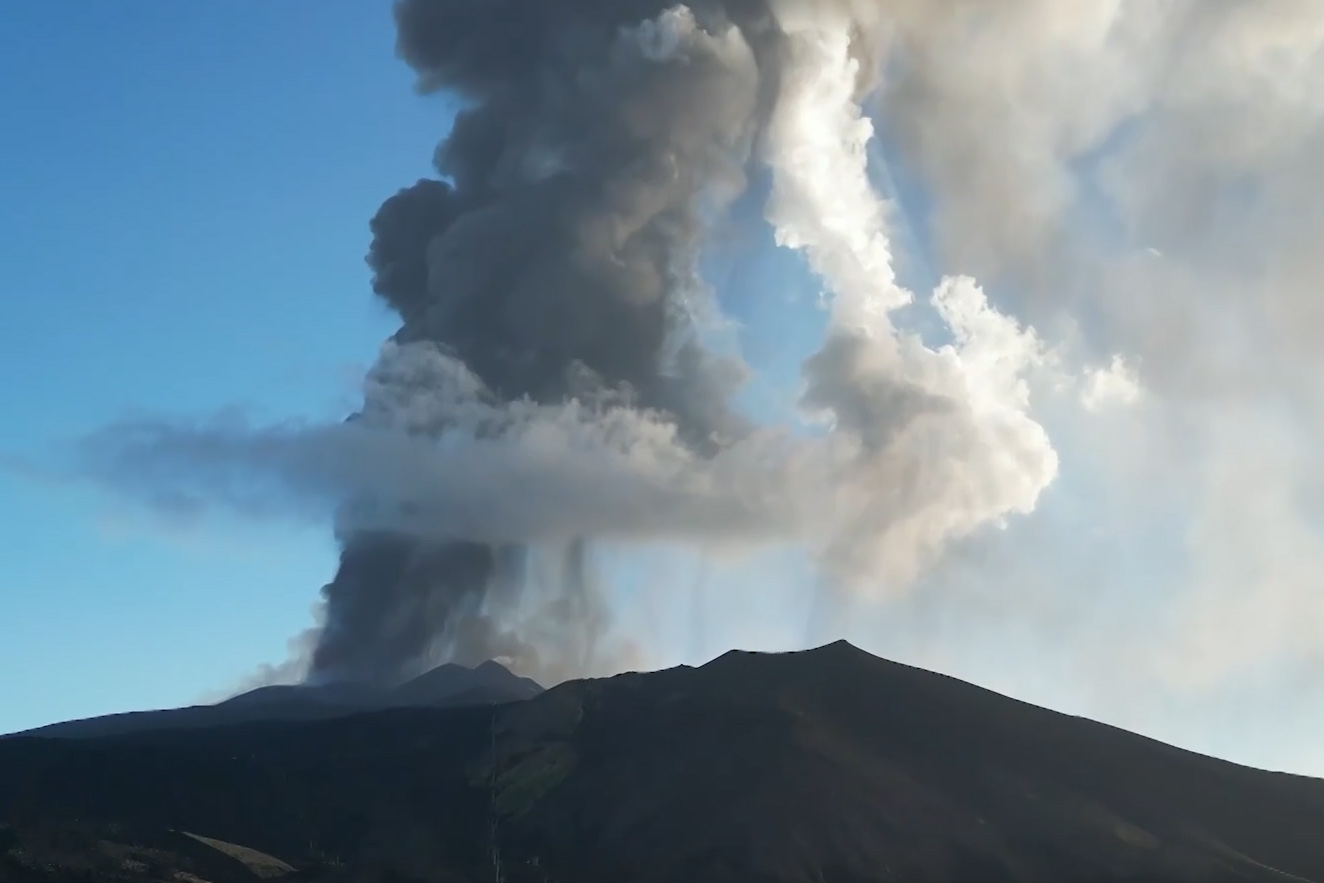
[823,765]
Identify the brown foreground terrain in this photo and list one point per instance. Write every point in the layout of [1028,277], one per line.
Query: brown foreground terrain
[828,766]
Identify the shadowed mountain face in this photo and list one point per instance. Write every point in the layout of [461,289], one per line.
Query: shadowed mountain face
[445,686]
[829,765]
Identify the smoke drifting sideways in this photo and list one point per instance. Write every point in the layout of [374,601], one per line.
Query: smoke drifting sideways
[1139,182]
[549,388]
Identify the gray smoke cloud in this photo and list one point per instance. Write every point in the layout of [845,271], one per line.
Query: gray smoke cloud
[555,261]
[549,387]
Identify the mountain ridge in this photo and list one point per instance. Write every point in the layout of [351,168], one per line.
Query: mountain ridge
[445,685]
[823,766]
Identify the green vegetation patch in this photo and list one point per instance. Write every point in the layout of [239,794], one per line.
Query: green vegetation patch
[521,786]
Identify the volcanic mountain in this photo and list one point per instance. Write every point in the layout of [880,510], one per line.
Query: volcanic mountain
[826,766]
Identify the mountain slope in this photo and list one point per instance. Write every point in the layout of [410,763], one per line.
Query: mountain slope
[445,686]
[839,762]
[829,766]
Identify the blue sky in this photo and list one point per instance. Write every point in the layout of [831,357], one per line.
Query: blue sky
[187,192]
[186,195]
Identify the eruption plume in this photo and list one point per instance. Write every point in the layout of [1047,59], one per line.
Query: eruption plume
[1125,199]
[554,264]
[549,386]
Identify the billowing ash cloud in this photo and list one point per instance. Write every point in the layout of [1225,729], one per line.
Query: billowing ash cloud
[556,262]
[549,387]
